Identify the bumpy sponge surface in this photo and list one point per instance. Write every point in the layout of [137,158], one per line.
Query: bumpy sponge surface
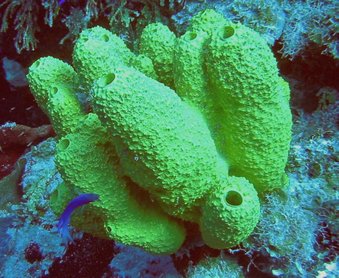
[254,106]
[198,149]
[163,144]
[97,50]
[232,210]
[157,42]
[228,73]
[87,161]
[53,83]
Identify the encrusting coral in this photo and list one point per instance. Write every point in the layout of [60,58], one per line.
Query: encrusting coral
[196,149]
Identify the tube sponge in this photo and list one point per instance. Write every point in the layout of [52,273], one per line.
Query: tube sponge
[228,73]
[97,50]
[100,45]
[232,210]
[47,74]
[157,42]
[163,144]
[165,147]
[88,162]
[198,150]
[254,105]
[53,83]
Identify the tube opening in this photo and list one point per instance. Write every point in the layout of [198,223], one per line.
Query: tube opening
[228,32]
[105,38]
[234,198]
[191,36]
[63,144]
[54,90]
[108,79]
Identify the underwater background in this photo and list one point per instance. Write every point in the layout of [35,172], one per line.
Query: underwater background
[297,234]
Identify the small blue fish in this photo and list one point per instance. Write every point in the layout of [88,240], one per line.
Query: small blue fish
[65,217]
[61,2]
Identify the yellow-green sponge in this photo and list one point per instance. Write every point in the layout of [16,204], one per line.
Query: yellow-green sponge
[87,162]
[53,84]
[97,50]
[254,106]
[228,73]
[194,151]
[157,43]
[163,144]
[230,213]
[46,75]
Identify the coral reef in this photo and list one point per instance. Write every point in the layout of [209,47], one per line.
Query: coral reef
[15,139]
[29,241]
[40,179]
[144,264]
[306,210]
[216,267]
[269,251]
[8,185]
[17,237]
[298,25]
[15,74]
[22,17]
[142,130]
[303,36]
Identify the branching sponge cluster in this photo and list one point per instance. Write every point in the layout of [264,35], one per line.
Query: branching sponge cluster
[192,129]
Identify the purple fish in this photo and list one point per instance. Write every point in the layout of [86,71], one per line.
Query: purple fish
[61,2]
[65,217]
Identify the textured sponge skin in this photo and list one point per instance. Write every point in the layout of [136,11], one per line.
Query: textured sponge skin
[232,210]
[157,41]
[164,145]
[230,75]
[87,160]
[98,50]
[198,150]
[254,105]
[53,84]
